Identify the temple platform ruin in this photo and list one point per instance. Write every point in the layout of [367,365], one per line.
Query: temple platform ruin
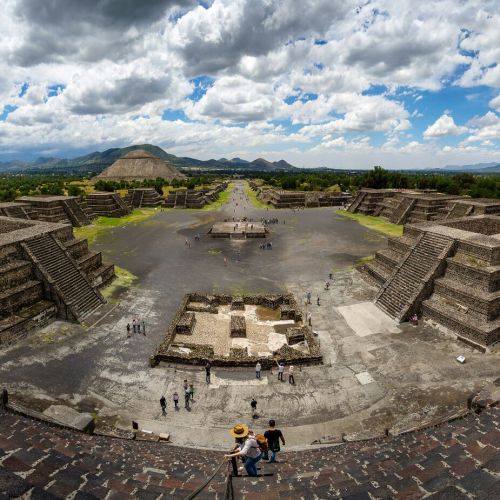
[446,270]
[46,273]
[239,331]
[238,229]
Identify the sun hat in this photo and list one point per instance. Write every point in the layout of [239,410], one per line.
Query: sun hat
[239,431]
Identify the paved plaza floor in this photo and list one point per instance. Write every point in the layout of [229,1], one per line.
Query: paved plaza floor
[376,374]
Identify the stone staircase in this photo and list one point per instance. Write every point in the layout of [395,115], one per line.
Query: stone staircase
[412,280]
[455,460]
[22,303]
[400,215]
[137,197]
[357,202]
[459,210]
[180,199]
[62,272]
[75,213]
[17,211]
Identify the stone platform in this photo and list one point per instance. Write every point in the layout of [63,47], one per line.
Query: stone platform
[240,230]
[255,330]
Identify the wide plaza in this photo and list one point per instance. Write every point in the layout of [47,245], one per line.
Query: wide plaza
[376,375]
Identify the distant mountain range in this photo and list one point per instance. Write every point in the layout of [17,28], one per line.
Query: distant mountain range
[96,162]
[476,167]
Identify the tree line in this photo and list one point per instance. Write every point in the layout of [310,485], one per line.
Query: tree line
[474,185]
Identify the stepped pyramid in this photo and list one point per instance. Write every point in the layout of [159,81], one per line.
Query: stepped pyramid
[139,165]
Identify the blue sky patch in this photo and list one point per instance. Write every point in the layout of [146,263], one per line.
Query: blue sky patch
[8,108]
[201,85]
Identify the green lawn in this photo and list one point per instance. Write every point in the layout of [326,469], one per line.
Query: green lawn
[376,223]
[252,195]
[102,224]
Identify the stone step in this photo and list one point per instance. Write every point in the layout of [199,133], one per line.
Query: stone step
[70,280]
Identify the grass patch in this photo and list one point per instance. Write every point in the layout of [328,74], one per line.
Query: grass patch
[124,279]
[363,261]
[375,223]
[212,251]
[252,196]
[102,224]
[221,200]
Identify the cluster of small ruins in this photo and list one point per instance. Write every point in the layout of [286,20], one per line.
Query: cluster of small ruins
[298,199]
[238,331]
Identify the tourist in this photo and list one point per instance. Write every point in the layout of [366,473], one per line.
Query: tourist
[327,285]
[318,302]
[144,328]
[128,329]
[134,325]
[191,391]
[330,276]
[185,384]
[273,437]
[249,449]
[208,367]
[309,319]
[257,370]
[281,369]
[186,242]
[225,261]
[253,405]
[308,297]
[176,400]
[291,380]
[163,404]
[187,397]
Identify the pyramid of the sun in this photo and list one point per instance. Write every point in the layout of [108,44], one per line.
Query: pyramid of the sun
[138,165]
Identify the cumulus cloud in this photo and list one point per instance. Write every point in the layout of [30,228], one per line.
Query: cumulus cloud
[444,126]
[55,29]
[307,77]
[216,39]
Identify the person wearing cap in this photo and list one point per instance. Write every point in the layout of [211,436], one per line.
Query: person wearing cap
[249,449]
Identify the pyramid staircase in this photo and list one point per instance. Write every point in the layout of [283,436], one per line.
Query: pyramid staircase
[459,210]
[137,197]
[76,296]
[357,202]
[17,211]
[400,215]
[412,280]
[75,213]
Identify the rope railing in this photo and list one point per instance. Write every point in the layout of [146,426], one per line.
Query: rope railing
[209,480]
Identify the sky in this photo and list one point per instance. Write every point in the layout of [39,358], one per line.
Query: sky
[334,83]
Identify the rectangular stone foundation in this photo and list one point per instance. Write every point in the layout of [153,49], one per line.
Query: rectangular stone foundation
[238,326]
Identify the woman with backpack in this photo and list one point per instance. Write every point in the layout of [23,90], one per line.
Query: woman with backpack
[250,450]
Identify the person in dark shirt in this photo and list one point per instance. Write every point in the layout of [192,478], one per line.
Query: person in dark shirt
[273,437]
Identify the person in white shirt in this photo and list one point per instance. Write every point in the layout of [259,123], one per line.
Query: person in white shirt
[291,380]
[281,369]
[250,449]
[257,370]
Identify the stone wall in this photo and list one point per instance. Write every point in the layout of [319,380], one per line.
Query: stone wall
[200,353]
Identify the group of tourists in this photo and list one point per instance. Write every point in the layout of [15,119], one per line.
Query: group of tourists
[273,220]
[188,391]
[267,245]
[281,371]
[138,326]
[251,447]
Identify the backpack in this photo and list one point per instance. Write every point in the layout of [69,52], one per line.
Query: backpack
[262,442]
